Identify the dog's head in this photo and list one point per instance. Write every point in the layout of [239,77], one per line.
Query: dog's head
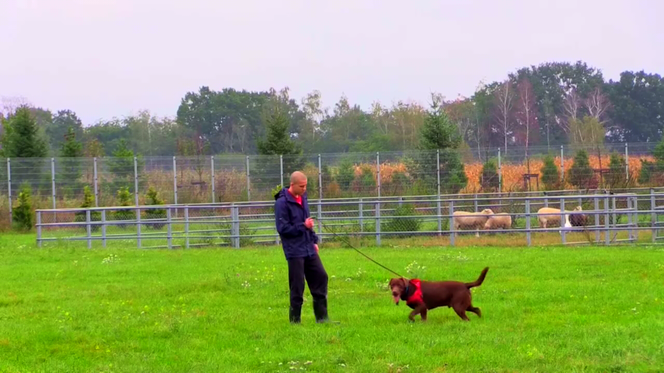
[398,286]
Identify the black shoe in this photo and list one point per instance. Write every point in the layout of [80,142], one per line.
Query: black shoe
[320,311]
[294,315]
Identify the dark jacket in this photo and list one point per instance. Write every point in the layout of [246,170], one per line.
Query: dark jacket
[296,239]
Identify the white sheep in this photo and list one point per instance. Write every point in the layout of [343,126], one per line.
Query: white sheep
[499,221]
[549,216]
[471,220]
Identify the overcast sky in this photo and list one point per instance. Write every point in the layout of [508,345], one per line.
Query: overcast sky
[106,58]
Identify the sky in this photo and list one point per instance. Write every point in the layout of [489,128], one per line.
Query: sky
[112,58]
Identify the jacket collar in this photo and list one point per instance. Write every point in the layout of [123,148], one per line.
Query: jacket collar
[289,196]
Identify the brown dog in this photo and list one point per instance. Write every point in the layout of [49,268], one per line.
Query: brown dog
[422,296]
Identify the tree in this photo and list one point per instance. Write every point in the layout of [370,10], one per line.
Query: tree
[636,106]
[439,134]
[70,168]
[526,115]
[616,177]
[550,174]
[278,142]
[581,174]
[21,138]
[121,166]
[63,122]
[490,180]
[504,97]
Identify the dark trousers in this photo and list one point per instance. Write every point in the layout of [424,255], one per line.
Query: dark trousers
[311,269]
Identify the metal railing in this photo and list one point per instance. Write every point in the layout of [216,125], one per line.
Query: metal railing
[609,218]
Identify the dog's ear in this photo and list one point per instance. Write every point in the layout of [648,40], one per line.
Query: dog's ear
[404,283]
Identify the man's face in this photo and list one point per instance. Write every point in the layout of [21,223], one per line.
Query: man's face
[299,187]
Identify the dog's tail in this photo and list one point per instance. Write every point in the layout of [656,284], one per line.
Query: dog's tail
[479,280]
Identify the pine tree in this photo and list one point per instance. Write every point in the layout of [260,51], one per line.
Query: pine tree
[581,174]
[550,174]
[440,134]
[21,138]
[490,179]
[616,177]
[69,169]
[277,142]
[121,166]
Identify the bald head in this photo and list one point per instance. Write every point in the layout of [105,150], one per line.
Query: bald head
[298,183]
[297,177]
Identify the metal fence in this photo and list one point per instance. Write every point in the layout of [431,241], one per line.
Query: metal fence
[62,182]
[604,218]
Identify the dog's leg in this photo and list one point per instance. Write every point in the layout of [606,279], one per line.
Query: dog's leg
[461,311]
[423,314]
[417,310]
[474,310]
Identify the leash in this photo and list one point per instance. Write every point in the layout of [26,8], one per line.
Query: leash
[347,242]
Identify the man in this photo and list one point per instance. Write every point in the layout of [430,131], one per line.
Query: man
[300,245]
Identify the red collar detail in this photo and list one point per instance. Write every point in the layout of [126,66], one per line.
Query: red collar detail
[417,295]
[298,199]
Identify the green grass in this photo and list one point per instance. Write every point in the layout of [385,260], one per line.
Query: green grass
[69,309]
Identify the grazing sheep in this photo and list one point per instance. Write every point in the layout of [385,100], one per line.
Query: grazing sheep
[499,221]
[549,216]
[470,220]
[544,220]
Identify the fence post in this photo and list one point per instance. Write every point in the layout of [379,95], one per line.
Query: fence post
[212,177]
[88,228]
[528,235]
[94,172]
[139,227]
[136,181]
[475,202]
[377,216]
[596,219]
[438,206]
[9,190]
[627,164]
[653,215]
[39,230]
[500,173]
[320,200]
[607,233]
[248,181]
[235,226]
[186,226]
[628,201]
[562,165]
[281,167]
[175,182]
[378,172]
[562,220]
[103,228]
[450,218]
[53,181]
[361,215]
[169,232]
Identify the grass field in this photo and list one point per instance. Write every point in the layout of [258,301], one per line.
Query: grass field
[563,309]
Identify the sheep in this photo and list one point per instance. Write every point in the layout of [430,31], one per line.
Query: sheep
[552,215]
[471,220]
[499,221]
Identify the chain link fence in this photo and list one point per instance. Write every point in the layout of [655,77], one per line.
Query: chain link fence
[62,182]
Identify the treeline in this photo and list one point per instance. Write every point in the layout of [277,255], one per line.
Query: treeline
[549,104]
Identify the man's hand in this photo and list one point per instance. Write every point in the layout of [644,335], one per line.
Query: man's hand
[316,247]
[309,223]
